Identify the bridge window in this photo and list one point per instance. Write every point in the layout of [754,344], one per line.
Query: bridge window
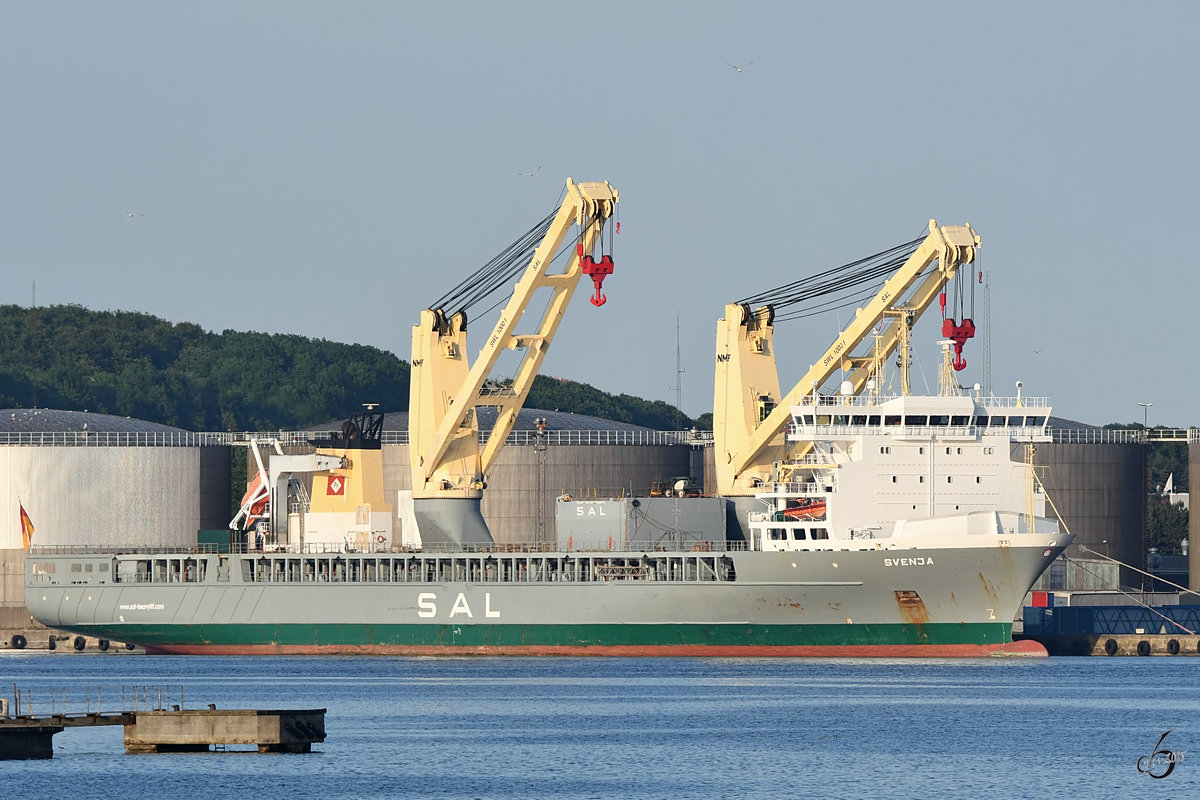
[891,419]
[918,420]
[960,421]
[939,420]
[798,534]
[820,533]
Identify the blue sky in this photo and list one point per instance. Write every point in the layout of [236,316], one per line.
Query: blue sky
[330,169]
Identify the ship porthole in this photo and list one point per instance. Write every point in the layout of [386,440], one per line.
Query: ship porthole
[1143,648]
[1173,647]
[1110,647]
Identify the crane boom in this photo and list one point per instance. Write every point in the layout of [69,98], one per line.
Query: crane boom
[750,415]
[446,459]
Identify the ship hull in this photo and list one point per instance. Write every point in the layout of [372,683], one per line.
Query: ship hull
[942,602]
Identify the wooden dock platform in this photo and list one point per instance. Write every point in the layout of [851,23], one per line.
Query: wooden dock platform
[31,736]
[271,731]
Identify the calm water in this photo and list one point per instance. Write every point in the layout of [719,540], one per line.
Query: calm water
[640,728]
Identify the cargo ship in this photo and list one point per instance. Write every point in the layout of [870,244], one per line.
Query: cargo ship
[905,528]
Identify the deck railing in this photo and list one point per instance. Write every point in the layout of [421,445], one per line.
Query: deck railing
[326,438]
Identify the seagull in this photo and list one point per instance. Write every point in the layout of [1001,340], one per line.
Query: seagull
[133,215]
[531,173]
[736,67]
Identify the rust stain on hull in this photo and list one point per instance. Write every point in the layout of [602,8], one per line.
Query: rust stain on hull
[912,607]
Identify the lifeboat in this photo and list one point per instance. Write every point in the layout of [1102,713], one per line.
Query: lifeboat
[813,510]
[254,501]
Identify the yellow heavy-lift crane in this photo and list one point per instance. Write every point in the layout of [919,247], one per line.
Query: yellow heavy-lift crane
[750,414]
[448,464]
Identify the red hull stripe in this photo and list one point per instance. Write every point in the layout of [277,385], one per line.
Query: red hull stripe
[1019,648]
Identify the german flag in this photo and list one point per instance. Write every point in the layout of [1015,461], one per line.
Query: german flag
[26,528]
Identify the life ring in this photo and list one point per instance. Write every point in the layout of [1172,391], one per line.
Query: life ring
[1173,647]
[1110,647]
[1143,648]
[18,642]
[381,538]
[80,643]
[103,645]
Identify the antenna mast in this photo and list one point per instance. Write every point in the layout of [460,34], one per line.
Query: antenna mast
[987,335]
[678,379]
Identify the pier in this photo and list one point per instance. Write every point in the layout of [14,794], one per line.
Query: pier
[30,735]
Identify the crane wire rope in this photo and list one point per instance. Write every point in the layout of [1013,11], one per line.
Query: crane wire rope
[837,285]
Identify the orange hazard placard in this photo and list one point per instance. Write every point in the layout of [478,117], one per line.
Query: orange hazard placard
[336,485]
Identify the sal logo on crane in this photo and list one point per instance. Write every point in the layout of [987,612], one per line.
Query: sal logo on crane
[336,485]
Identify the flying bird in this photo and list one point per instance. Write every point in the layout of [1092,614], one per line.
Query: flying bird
[736,68]
[133,215]
[531,173]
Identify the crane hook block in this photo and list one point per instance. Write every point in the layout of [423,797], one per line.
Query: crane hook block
[598,271]
[959,335]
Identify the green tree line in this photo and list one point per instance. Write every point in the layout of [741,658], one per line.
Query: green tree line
[137,365]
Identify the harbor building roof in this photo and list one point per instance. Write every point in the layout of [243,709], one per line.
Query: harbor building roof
[50,420]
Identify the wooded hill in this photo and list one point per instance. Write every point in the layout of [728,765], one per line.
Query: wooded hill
[137,365]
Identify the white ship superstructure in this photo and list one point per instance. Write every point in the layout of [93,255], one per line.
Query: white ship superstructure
[879,470]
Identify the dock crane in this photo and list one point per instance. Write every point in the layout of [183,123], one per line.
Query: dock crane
[750,414]
[447,460]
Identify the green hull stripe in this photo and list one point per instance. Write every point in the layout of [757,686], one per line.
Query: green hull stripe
[516,636]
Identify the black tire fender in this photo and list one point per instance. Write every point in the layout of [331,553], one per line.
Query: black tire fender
[1110,647]
[1143,648]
